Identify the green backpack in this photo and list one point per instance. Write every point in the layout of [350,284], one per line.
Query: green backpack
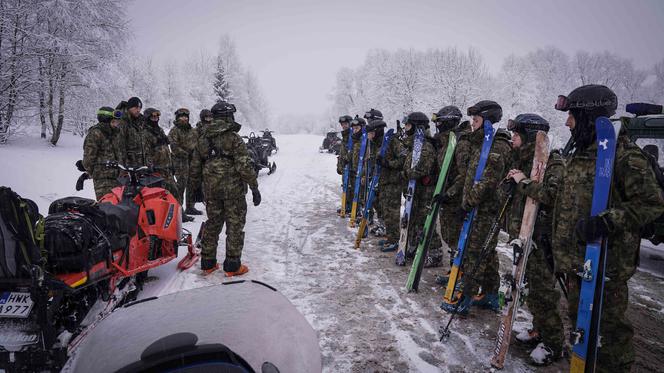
[19,248]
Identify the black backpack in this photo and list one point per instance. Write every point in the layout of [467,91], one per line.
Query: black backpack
[18,237]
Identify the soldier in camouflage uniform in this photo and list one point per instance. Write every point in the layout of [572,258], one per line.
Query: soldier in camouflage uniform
[222,162]
[482,195]
[543,298]
[390,185]
[183,138]
[99,147]
[426,175]
[635,201]
[375,133]
[354,158]
[342,158]
[447,121]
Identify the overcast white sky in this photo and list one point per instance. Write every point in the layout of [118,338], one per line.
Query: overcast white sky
[295,47]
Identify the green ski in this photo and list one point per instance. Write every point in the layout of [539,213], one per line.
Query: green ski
[430,223]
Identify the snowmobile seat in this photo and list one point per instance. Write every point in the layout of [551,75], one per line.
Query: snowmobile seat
[70,203]
[123,216]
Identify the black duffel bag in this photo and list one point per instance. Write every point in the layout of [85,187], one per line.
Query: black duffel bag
[73,243]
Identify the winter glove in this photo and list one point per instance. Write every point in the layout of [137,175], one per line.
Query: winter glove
[441,198]
[461,213]
[79,183]
[79,166]
[256,196]
[508,186]
[592,228]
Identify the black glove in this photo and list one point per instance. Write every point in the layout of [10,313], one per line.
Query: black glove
[256,196]
[592,228]
[79,183]
[79,166]
[508,186]
[441,198]
[461,213]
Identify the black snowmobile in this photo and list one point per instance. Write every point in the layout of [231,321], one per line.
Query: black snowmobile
[260,148]
[267,137]
[331,143]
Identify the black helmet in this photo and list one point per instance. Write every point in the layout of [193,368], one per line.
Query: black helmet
[528,122]
[345,119]
[105,114]
[204,114]
[489,110]
[418,118]
[447,117]
[376,124]
[358,122]
[598,99]
[373,114]
[223,109]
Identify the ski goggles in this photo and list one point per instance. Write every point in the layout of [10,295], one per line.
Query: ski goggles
[182,112]
[105,113]
[155,114]
[344,120]
[564,104]
[515,126]
[355,122]
[443,118]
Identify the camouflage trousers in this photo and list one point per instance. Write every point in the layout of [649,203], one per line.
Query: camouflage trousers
[450,224]
[390,205]
[183,181]
[418,215]
[487,273]
[617,351]
[104,186]
[542,301]
[233,213]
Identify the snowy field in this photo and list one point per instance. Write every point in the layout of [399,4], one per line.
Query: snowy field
[355,300]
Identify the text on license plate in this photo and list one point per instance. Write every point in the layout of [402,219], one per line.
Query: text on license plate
[15,304]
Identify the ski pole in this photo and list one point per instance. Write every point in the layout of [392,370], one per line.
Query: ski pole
[445,332]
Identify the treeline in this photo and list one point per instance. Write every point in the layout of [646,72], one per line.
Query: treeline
[60,60]
[398,82]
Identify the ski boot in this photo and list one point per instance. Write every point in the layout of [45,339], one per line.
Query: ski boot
[487,301]
[390,247]
[528,337]
[191,210]
[234,267]
[462,310]
[542,355]
[382,242]
[209,266]
[443,279]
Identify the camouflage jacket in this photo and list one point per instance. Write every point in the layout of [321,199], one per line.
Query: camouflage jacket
[425,170]
[101,145]
[182,138]
[144,144]
[395,154]
[342,158]
[483,193]
[222,162]
[200,127]
[457,171]
[161,153]
[635,201]
[354,156]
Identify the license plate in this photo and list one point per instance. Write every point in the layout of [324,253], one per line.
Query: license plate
[15,304]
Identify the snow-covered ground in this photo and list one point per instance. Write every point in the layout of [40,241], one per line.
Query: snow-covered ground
[354,299]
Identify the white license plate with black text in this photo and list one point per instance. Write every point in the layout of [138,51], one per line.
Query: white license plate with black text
[15,304]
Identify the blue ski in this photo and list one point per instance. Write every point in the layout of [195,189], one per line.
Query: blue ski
[468,221]
[349,147]
[373,188]
[400,258]
[358,177]
[586,335]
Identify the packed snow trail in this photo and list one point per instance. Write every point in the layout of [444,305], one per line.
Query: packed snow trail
[354,299]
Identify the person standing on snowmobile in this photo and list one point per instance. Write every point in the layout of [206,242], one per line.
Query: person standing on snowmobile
[543,298]
[183,140]
[222,162]
[448,123]
[375,133]
[634,202]
[426,175]
[101,146]
[342,158]
[482,195]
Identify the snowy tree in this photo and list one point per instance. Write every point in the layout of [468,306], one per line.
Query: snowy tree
[221,85]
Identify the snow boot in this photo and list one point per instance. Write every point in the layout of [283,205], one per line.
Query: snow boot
[433,260]
[487,301]
[382,243]
[443,279]
[542,355]
[191,210]
[209,266]
[462,310]
[528,337]
[234,267]
[390,247]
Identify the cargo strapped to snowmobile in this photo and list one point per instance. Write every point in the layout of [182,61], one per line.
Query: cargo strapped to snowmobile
[18,243]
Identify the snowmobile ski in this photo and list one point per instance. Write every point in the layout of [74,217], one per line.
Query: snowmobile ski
[413,281]
[468,221]
[373,189]
[358,177]
[522,247]
[585,337]
[193,250]
[400,258]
